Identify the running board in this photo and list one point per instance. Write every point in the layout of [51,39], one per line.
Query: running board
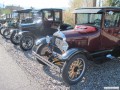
[51,65]
[110,57]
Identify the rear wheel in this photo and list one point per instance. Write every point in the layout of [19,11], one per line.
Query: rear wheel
[74,69]
[15,38]
[26,42]
[6,33]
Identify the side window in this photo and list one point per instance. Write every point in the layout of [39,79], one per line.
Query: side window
[57,16]
[112,19]
[48,16]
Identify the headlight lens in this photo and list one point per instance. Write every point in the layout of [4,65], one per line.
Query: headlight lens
[47,39]
[65,45]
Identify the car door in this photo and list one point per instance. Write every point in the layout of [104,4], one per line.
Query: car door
[111,31]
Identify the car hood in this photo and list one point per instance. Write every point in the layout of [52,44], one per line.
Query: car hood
[80,30]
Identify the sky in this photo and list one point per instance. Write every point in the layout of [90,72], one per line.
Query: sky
[37,3]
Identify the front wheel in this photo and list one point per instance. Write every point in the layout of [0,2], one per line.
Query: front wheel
[41,51]
[2,30]
[26,42]
[6,33]
[74,69]
[15,38]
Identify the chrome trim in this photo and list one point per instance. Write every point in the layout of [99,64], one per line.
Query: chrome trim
[51,65]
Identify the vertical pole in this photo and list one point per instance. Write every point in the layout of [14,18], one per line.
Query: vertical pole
[94,3]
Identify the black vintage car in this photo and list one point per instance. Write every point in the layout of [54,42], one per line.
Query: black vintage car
[46,21]
[14,19]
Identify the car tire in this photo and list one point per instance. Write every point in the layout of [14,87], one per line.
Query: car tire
[26,42]
[2,30]
[15,39]
[6,34]
[72,73]
[41,50]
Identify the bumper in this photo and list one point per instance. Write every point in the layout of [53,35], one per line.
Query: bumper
[51,65]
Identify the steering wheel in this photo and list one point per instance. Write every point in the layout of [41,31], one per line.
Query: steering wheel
[107,23]
[97,22]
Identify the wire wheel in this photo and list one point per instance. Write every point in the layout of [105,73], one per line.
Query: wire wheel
[6,34]
[27,42]
[76,69]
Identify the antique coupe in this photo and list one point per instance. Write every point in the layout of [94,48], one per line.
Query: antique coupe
[46,22]
[96,34]
[14,19]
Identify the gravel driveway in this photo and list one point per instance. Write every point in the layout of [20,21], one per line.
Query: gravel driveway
[97,76]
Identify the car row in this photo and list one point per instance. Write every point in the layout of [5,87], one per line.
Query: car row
[70,50]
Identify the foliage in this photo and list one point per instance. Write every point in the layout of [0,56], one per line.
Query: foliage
[68,15]
[114,3]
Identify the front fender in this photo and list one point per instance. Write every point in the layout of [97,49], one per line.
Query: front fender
[23,32]
[38,44]
[40,41]
[73,51]
[14,30]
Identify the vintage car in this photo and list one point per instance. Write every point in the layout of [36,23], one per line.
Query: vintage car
[14,19]
[96,34]
[45,23]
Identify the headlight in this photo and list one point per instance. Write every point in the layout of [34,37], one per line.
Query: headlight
[65,45]
[47,39]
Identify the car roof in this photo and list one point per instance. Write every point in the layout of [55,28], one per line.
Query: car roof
[94,9]
[57,9]
[23,11]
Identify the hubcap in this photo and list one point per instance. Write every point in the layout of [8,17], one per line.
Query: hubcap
[16,38]
[27,42]
[76,69]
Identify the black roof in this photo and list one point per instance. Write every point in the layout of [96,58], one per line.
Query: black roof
[23,11]
[58,9]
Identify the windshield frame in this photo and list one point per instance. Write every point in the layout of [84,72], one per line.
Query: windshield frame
[76,21]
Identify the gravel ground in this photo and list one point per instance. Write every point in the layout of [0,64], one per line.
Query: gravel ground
[97,76]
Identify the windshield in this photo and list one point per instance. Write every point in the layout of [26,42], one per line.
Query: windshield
[37,20]
[89,19]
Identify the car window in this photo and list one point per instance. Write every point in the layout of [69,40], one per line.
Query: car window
[112,19]
[48,16]
[93,19]
[57,16]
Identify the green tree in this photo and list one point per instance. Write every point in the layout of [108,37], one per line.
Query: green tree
[114,3]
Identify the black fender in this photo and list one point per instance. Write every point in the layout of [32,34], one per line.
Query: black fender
[14,30]
[73,51]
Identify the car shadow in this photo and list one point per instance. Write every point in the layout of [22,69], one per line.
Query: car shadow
[29,55]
